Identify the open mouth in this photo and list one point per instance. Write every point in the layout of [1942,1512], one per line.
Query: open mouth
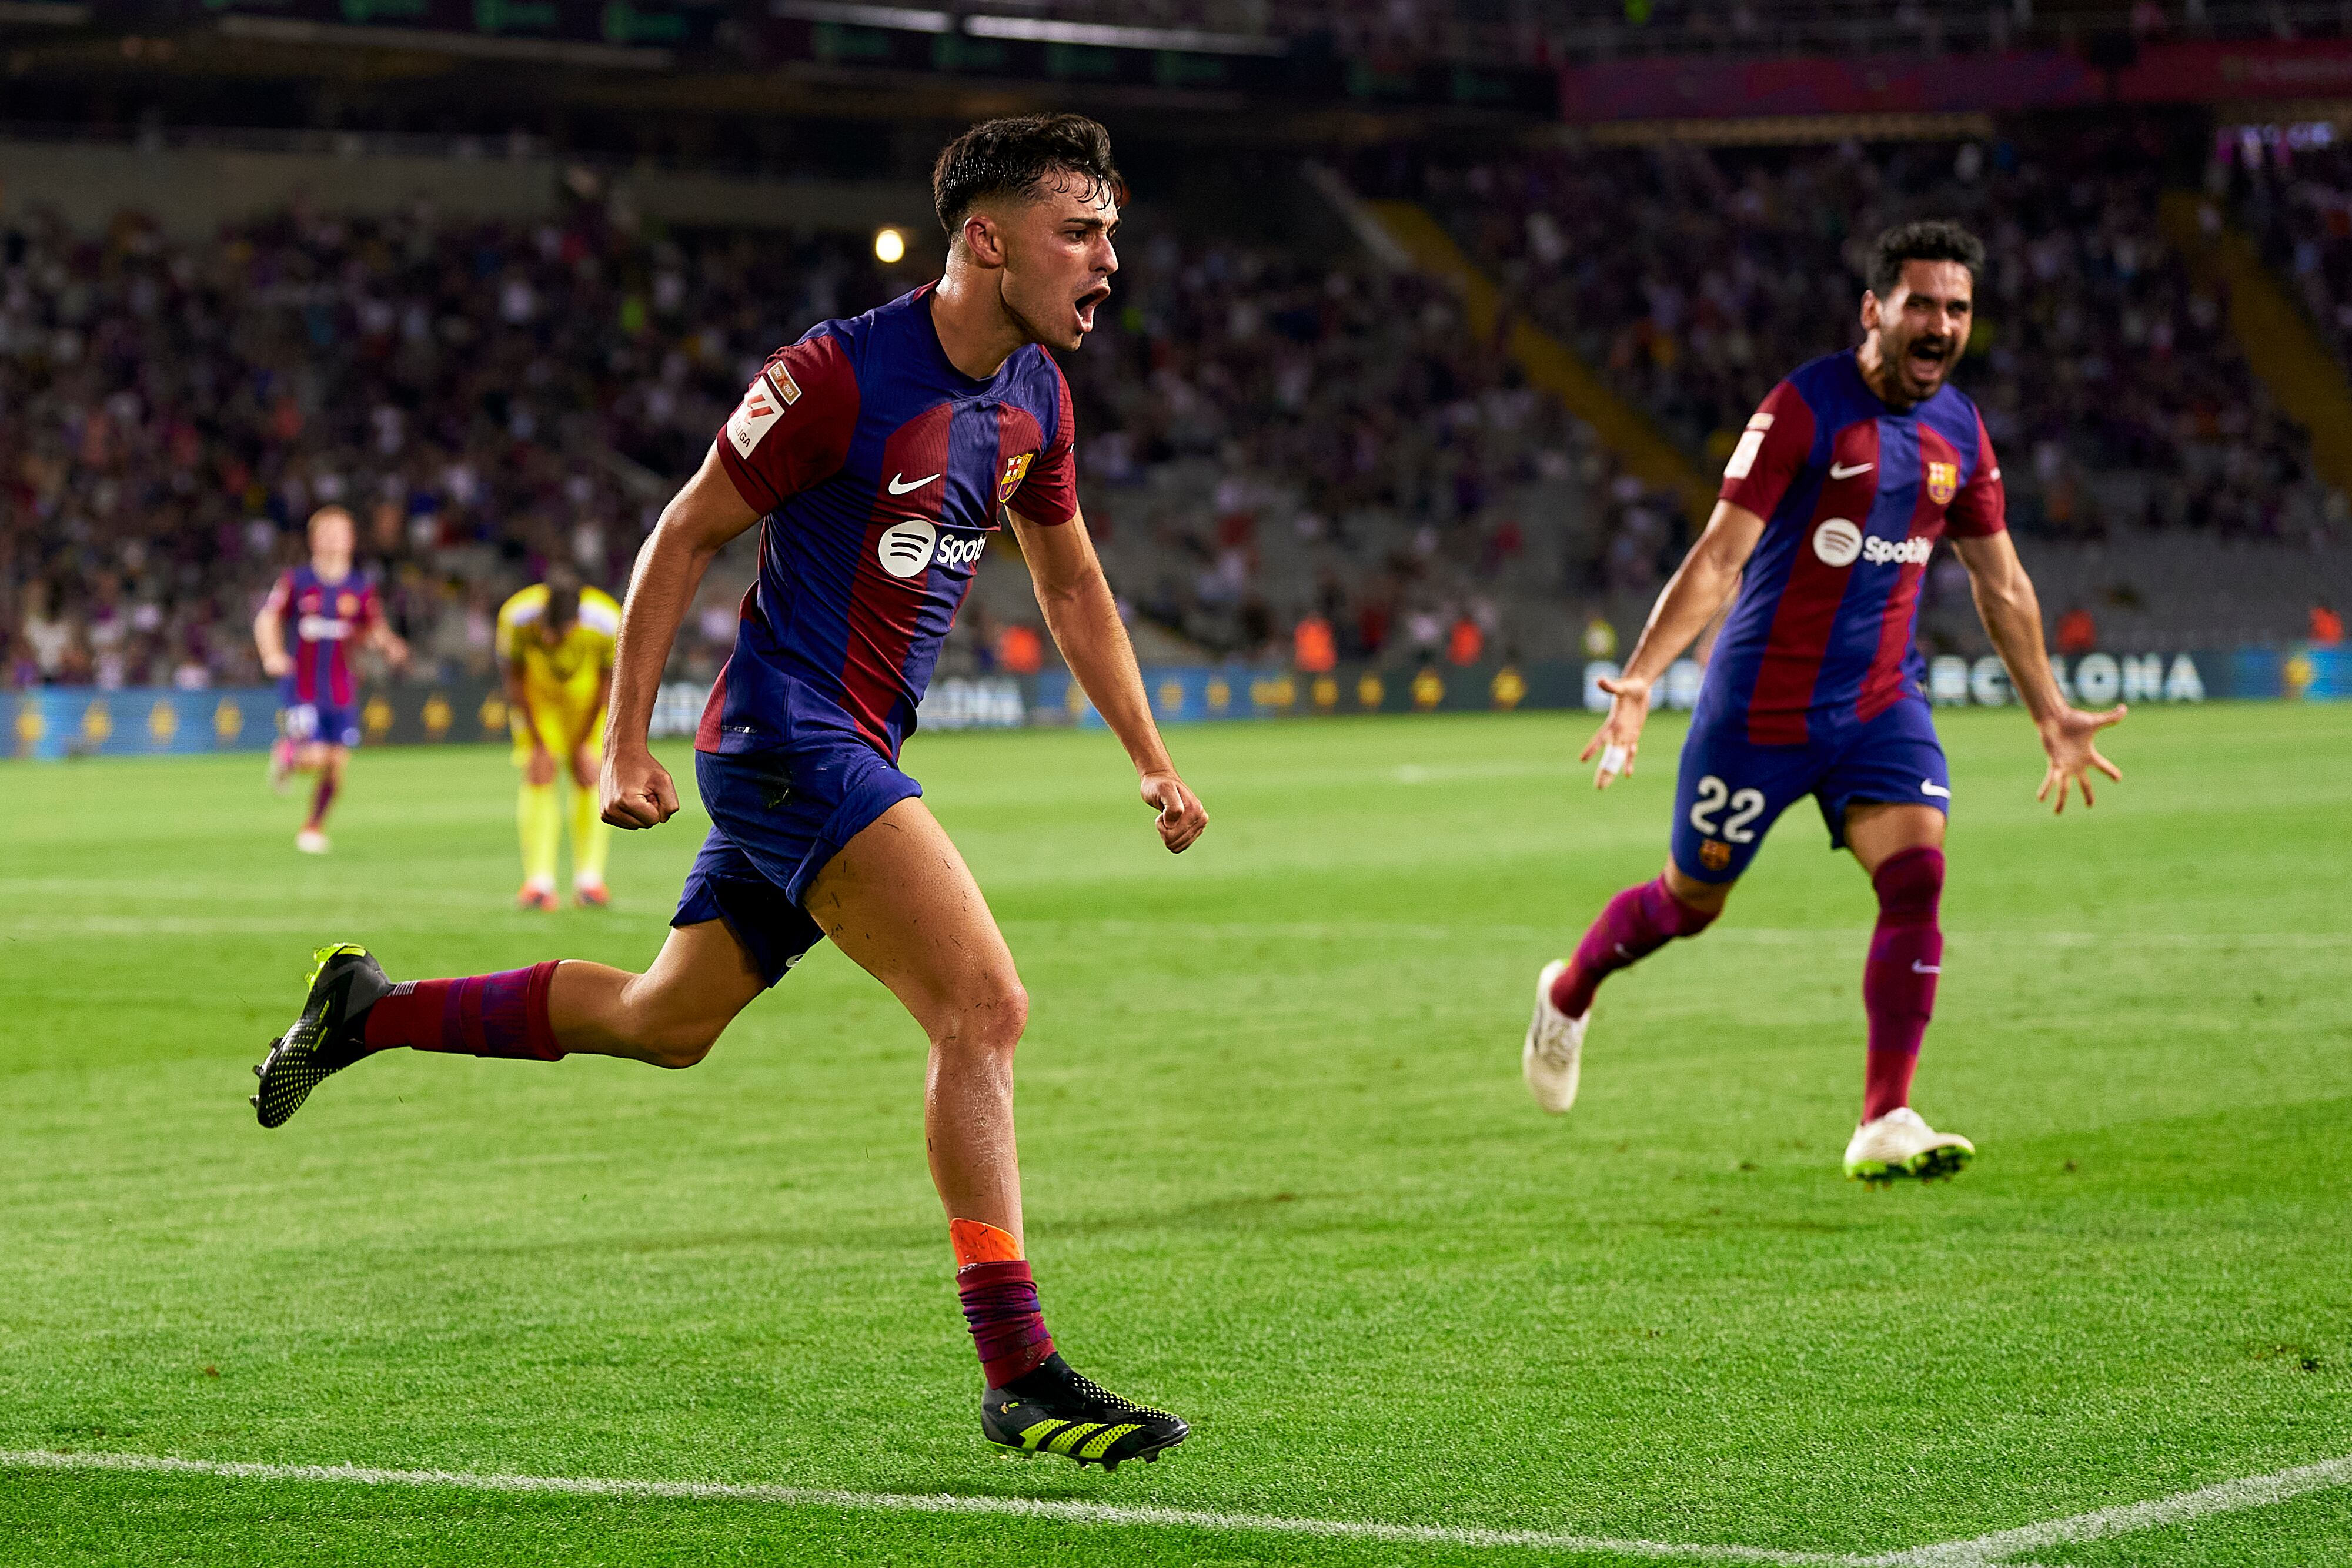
[1086,303]
[1925,359]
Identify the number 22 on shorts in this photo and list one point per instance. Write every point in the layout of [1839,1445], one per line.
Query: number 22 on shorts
[1713,795]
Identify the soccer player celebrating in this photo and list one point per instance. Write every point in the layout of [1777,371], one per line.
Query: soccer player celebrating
[316,609]
[556,641]
[1831,502]
[877,454]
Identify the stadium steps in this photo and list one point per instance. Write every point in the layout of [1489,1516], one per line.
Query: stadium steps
[2277,336]
[1549,363]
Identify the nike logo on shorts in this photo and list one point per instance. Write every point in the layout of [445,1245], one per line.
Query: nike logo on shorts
[1919,968]
[1929,786]
[1840,471]
[899,490]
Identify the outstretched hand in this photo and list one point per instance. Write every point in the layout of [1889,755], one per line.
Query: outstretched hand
[1182,818]
[635,792]
[2070,737]
[1619,738]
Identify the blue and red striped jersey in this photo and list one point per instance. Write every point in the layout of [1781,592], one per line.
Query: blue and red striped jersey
[879,470]
[318,618]
[1853,495]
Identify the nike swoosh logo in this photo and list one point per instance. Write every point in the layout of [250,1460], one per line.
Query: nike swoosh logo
[1837,473]
[1919,968]
[1622,954]
[898,489]
[1929,786]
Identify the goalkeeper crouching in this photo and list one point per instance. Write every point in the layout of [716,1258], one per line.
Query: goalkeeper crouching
[556,642]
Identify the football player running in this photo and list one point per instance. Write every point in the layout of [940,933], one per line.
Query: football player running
[877,454]
[1830,505]
[301,632]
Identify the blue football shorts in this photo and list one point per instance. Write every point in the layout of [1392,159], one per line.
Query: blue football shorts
[776,818]
[328,724]
[1730,791]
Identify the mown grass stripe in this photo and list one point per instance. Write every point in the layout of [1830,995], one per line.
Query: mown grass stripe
[906,1502]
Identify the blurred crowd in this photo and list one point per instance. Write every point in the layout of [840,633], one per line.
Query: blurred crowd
[1331,442]
[2296,193]
[487,400]
[2104,365]
[484,399]
[1286,460]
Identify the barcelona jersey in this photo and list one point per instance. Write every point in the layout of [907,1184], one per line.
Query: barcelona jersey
[1855,495]
[879,471]
[319,619]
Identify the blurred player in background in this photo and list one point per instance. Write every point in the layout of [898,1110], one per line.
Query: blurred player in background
[1830,505]
[313,611]
[556,642]
[877,454]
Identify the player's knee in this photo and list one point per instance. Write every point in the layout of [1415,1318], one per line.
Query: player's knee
[1696,903]
[681,1042]
[1910,883]
[990,1015]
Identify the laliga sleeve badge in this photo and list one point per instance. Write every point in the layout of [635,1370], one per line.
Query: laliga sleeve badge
[763,405]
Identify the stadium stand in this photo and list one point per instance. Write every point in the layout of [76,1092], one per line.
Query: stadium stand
[1271,437]
[2106,369]
[2297,200]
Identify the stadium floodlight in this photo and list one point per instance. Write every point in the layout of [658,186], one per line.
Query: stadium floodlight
[889,247]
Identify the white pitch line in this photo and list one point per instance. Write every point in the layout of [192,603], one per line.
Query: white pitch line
[1981,1551]
[2225,1497]
[904,1502]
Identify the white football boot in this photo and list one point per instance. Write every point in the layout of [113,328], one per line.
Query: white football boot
[1900,1145]
[310,841]
[1554,1054]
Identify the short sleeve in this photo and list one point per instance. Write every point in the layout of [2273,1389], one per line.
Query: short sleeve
[1983,506]
[791,430]
[1048,495]
[282,594]
[1771,452]
[601,616]
[504,644]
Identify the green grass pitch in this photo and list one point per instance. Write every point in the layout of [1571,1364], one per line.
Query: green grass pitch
[1282,1175]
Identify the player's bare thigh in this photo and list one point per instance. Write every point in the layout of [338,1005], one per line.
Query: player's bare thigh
[900,901]
[1876,830]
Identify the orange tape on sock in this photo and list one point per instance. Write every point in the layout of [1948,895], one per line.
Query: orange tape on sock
[975,1242]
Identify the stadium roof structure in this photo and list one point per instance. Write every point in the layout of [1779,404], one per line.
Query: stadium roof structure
[1287,71]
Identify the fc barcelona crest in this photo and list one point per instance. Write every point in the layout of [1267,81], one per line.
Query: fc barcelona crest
[1016,470]
[1943,478]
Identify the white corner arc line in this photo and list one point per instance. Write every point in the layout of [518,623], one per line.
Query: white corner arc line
[2223,1497]
[906,1502]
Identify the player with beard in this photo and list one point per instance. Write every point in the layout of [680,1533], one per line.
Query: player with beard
[877,454]
[1830,505]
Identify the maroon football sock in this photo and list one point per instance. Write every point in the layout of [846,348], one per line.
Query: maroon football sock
[1637,923]
[1898,982]
[480,1015]
[1000,1303]
[321,798]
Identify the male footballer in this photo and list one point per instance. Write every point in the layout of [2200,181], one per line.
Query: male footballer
[1831,503]
[876,455]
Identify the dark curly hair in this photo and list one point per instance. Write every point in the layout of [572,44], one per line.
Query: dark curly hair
[1009,157]
[1927,240]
